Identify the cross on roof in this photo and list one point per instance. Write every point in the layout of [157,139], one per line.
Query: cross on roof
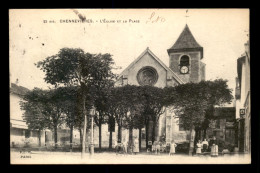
[186,15]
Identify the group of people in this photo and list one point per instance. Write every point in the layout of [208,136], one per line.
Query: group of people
[201,147]
[158,147]
[125,147]
[205,146]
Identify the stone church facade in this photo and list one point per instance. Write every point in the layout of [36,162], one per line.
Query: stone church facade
[184,66]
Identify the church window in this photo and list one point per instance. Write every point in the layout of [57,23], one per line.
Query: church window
[147,76]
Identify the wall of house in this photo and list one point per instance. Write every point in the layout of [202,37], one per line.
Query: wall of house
[18,137]
[15,111]
[105,136]
[247,103]
[244,103]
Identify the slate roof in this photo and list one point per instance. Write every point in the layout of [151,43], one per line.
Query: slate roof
[186,41]
[19,90]
[225,112]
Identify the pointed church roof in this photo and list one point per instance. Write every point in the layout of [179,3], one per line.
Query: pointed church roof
[147,50]
[185,42]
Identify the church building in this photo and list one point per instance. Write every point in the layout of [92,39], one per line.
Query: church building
[184,66]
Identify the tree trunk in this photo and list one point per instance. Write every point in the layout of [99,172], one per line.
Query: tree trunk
[140,138]
[146,133]
[204,133]
[80,136]
[130,136]
[197,136]
[55,136]
[85,126]
[200,135]
[110,138]
[100,134]
[111,129]
[192,136]
[153,131]
[119,138]
[39,136]
[71,136]
[84,135]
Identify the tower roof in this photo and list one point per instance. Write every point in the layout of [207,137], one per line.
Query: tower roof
[186,42]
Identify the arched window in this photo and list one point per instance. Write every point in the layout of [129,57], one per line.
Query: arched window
[184,61]
[184,64]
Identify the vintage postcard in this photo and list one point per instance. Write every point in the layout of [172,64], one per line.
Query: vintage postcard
[129,86]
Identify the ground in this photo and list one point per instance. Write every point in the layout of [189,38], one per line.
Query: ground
[111,158]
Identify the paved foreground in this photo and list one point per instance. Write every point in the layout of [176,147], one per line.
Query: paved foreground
[111,158]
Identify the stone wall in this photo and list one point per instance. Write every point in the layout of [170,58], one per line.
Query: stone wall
[146,60]
[202,71]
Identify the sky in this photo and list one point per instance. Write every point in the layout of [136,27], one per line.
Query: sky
[221,32]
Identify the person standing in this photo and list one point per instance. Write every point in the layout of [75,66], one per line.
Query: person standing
[115,144]
[214,150]
[157,147]
[116,147]
[205,145]
[172,148]
[125,145]
[199,145]
[214,147]
[154,147]
[136,146]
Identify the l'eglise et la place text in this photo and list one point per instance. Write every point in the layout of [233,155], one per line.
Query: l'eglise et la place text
[118,21]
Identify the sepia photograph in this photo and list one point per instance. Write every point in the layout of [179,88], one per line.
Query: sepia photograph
[130,86]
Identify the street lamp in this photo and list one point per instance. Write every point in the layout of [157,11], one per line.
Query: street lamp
[92,114]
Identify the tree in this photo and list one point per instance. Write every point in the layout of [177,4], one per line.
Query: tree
[74,67]
[118,107]
[218,96]
[154,107]
[104,81]
[69,107]
[111,111]
[134,106]
[139,122]
[135,109]
[46,111]
[33,111]
[190,102]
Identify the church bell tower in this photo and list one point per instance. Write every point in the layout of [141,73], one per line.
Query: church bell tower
[185,58]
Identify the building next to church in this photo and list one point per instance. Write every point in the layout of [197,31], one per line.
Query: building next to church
[21,135]
[19,132]
[243,98]
[222,126]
